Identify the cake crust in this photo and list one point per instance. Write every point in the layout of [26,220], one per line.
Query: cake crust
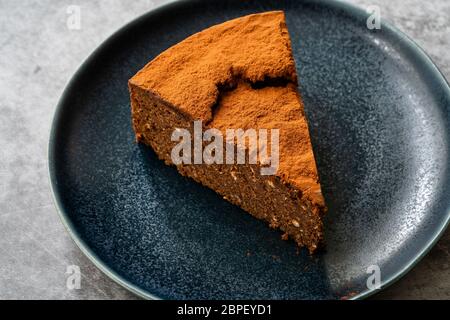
[239,74]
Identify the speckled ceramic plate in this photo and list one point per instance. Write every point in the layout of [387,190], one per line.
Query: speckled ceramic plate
[379,119]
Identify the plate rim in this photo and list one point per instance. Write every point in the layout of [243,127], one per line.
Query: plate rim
[354,10]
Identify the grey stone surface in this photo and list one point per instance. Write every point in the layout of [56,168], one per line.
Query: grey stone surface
[38,55]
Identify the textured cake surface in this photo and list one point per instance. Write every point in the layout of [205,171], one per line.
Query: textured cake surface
[239,74]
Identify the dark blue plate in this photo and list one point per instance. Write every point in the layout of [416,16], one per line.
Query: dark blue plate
[379,119]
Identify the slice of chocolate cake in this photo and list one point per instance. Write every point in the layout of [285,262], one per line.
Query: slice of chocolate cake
[236,75]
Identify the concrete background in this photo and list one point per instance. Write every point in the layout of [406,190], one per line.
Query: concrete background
[38,55]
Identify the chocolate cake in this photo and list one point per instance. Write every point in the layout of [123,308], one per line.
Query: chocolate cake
[238,74]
